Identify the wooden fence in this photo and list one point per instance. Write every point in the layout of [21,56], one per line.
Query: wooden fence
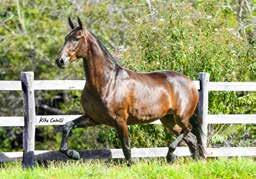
[30,120]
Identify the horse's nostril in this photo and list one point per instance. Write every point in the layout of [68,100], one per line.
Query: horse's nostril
[61,61]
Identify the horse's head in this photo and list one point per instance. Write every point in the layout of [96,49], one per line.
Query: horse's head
[75,45]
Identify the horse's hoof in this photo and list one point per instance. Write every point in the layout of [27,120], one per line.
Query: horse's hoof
[72,154]
[130,163]
[171,158]
[196,156]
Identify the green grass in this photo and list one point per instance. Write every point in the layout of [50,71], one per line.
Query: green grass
[183,168]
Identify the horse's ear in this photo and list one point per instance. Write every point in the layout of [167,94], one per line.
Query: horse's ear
[79,22]
[70,23]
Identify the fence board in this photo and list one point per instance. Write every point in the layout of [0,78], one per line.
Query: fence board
[41,120]
[232,86]
[11,121]
[232,119]
[136,153]
[79,84]
[44,120]
[10,86]
[51,85]
[232,152]
[59,84]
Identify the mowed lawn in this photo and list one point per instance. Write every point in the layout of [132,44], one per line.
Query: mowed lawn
[152,168]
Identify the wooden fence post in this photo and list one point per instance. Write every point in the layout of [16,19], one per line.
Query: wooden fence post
[203,105]
[27,79]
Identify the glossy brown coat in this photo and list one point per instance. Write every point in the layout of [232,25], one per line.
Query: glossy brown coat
[118,97]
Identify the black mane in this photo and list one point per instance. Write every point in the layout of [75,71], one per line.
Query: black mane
[105,50]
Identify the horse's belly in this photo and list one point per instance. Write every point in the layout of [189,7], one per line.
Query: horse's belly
[142,120]
[143,113]
[150,103]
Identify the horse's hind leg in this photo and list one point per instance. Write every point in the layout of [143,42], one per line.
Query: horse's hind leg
[189,138]
[82,121]
[171,125]
[191,141]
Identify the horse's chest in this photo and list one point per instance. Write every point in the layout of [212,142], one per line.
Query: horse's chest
[95,108]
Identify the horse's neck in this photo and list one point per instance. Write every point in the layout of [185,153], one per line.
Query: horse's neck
[98,70]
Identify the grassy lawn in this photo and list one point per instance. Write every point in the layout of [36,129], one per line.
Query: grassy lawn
[153,168]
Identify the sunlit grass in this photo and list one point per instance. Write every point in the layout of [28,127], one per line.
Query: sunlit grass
[153,168]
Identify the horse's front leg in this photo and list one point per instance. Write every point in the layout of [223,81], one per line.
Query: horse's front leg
[122,130]
[82,121]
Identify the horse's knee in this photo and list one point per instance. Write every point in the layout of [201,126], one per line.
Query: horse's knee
[176,130]
[171,126]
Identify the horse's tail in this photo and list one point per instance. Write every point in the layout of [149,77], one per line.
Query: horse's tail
[198,132]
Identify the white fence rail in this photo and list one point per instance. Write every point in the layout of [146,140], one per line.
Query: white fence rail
[31,121]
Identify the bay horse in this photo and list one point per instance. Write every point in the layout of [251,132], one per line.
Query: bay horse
[119,97]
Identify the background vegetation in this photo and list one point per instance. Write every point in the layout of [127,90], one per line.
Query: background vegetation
[218,37]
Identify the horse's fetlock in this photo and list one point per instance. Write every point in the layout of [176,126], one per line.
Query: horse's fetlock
[172,147]
[127,153]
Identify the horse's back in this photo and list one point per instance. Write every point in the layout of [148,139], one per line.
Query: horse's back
[158,93]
